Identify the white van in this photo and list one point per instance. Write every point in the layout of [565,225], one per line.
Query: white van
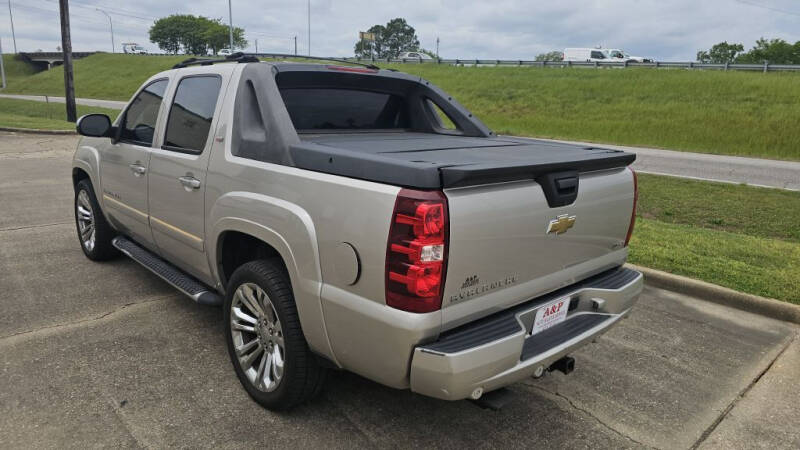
[585,54]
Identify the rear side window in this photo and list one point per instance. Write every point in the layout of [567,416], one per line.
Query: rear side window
[598,55]
[344,109]
[139,122]
[191,113]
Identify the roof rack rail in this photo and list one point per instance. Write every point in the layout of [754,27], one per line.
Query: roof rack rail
[321,58]
[238,57]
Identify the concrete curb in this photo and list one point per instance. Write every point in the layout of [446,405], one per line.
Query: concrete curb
[768,307]
[35,131]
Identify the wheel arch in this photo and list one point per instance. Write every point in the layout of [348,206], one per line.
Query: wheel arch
[86,165]
[240,240]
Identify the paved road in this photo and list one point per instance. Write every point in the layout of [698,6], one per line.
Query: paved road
[702,166]
[108,355]
[80,101]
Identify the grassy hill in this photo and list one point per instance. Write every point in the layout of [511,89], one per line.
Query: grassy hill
[105,76]
[16,70]
[735,113]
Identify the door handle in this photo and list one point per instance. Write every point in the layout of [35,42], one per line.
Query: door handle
[189,182]
[138,169]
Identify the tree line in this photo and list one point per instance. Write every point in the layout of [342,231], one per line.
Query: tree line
[774,51]
[194,35]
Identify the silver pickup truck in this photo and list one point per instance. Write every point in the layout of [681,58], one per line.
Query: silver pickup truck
[356,218]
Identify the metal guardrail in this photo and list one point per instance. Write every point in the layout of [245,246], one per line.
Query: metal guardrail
[765,67]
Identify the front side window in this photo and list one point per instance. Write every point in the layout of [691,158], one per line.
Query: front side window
[139,122]
[344,109]
[191,113]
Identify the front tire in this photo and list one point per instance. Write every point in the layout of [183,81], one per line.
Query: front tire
[94,232]
[265,341]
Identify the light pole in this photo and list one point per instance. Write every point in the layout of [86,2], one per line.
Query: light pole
[66,51]
[13,36]
[2,69]
[230,25]
[110,25]
[309,27]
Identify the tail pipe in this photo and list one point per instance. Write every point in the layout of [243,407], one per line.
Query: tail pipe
[564,365]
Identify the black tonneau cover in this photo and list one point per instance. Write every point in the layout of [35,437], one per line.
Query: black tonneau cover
[436,161]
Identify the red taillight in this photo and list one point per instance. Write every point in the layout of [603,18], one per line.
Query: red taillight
[416,254]
[352,69]
[635,202]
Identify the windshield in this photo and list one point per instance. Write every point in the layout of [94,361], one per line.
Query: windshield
[344,109]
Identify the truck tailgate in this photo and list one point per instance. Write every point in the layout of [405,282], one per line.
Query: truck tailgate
[501,253]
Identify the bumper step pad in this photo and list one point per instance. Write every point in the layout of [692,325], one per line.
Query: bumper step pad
[547,339]
[505,323]
[182,281]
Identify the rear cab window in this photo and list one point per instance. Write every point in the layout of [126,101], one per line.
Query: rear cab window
[345,101]
[191,113]
[344,109]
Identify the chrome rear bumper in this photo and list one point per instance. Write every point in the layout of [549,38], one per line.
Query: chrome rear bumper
[498,350]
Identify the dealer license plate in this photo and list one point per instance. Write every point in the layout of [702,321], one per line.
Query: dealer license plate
[550,315]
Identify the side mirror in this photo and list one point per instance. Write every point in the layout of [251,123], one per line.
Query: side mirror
[95,125]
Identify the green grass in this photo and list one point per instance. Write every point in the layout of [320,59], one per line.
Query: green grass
[741,237]
[42,116]
[759,212]
[103,76]
[766,267]
[735,113]
[16,71]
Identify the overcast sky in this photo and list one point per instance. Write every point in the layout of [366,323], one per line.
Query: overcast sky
[504,29]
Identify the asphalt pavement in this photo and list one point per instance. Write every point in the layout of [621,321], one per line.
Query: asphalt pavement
[703,166]
[113,104]
[107,354]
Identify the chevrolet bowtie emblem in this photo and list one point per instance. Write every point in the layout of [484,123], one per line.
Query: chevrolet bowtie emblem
[561,224]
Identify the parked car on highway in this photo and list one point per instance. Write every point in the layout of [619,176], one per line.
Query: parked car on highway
[414,55]
[615,54]
[584,54]
[341,223]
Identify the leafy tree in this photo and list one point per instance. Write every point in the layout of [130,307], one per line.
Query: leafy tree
[167,34]
[720,53]
[555,55]
[217,36]
[776,51]
[395,37]
[193,34]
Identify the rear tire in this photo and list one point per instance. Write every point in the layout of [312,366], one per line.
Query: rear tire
[94,232]
[265,341]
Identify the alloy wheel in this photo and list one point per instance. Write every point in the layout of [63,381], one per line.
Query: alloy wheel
[85,215]
[257,337]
